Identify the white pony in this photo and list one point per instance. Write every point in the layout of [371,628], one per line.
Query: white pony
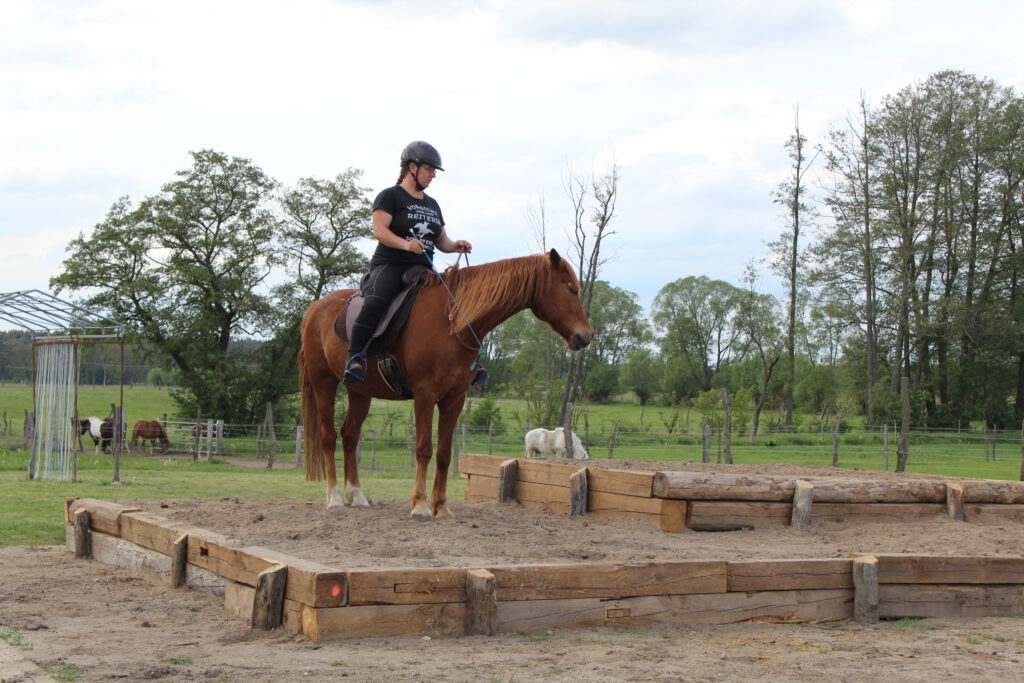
[552,441]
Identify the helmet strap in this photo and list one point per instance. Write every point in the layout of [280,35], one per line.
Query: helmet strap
[416,177]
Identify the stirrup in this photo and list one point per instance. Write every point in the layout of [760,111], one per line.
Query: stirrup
[355,371]
[481,376]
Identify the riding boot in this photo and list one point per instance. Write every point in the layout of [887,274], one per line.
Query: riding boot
[355,369]
[481,375]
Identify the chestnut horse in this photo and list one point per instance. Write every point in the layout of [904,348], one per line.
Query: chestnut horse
[436,352]
[151,431]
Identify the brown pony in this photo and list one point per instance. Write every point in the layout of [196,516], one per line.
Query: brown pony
[436,352]
[151,431]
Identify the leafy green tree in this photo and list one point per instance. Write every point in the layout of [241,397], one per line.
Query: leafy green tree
[189,271]
[695,319]
[640,374]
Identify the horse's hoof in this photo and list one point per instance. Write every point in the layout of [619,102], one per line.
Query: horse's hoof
[354,497]
[443,512]
[421,513]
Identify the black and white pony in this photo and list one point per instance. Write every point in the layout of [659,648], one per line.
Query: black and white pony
[101,431]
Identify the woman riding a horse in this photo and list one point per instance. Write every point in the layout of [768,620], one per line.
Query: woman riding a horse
[408,225]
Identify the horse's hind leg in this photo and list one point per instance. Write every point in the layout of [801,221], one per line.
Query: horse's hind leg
[358,409]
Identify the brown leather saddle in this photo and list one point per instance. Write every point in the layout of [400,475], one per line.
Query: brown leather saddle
[385,336]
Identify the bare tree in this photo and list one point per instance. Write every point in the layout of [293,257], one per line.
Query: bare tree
[791,195]
[586,243]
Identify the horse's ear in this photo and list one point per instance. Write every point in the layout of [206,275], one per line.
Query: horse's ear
[555,258]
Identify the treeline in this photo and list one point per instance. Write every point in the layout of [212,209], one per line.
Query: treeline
[901,253]
[902,259]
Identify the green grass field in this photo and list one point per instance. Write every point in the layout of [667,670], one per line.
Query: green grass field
[31,513]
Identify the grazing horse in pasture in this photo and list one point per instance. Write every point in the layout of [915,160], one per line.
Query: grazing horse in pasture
[101,431]
[552,441]
[436,351]
[151,431]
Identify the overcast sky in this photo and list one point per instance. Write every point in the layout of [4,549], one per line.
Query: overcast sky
[693,99]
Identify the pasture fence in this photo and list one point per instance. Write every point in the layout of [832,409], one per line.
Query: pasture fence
[389,446]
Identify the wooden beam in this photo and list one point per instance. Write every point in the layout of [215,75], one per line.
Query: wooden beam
[553,582]
[83,536]
[935,569]
[803,498]
[507,474]
[865,590]
[578,492]
[730,486]
[268,605]
[768,575]
[412,586]
[719,608]
[179,558]
[955,502]
[949,601]
[329,623]
[104,515]
[481,603]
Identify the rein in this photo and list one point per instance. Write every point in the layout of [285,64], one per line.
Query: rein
[456,305]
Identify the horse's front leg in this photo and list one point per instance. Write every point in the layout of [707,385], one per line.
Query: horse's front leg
[449,410]
[351,428]
[424,410]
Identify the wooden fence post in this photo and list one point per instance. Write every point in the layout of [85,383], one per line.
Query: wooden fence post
[615,433]
[705,432]
[298,446]
[567,430]
[903,452]
[727,429]
[835,440]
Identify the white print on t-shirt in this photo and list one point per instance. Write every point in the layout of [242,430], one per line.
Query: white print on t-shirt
[421,230]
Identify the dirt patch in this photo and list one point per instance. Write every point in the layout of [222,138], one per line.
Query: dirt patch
[69,615]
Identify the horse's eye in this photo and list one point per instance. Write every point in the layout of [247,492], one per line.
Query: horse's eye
[575,291]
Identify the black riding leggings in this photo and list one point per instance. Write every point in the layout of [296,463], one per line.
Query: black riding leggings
[380,286]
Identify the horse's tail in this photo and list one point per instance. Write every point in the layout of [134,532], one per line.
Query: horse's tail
[312,453]
[135,434]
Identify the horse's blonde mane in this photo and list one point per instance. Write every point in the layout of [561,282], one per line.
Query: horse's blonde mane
[508,285]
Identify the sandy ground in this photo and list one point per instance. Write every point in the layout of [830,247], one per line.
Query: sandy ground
[81,620]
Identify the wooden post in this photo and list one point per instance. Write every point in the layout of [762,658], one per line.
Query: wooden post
[984,437]
[615,433]
[705,431]
[481,603]
[298,446]
[179,555]
[269,420]
[803,498]
[955,502]
[903,452]
[727,430]
[220,438]
[865,590]
[885,446]
[578,492]
[507,472]
[1022,451]
[567,430]
[115,444]
[83,537]
[268,604]
[835,440]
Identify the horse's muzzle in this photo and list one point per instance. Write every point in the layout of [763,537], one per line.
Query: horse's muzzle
[580,341]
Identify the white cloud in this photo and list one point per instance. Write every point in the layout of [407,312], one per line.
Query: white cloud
[694,100]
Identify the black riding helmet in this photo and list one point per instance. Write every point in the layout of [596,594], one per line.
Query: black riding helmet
[420,152]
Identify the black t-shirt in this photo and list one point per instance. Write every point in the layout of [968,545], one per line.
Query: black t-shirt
[410,218]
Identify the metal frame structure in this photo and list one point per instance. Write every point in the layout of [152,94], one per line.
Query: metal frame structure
[58,328]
